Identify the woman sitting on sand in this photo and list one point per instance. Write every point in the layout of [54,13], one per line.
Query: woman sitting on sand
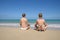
[24,23]
[40,23]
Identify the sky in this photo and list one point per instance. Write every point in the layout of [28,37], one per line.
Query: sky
[13,9]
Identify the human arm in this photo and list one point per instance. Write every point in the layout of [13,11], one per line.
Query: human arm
[45,23]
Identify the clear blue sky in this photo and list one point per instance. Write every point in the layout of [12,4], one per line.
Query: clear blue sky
[13,9]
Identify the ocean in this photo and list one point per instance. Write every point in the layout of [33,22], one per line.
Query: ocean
[52,23]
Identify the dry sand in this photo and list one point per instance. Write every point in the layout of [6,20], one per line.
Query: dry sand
[16,34]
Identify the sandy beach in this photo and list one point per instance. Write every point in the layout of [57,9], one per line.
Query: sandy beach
[7,33]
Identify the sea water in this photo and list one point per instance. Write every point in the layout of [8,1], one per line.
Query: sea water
[52,23]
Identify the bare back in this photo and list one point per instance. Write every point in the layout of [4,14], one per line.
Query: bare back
[40,21]
[24,22]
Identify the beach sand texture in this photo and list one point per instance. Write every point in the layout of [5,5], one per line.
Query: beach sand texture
[16,34]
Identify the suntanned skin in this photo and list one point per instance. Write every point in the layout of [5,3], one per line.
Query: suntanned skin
[23,22]
[41,22]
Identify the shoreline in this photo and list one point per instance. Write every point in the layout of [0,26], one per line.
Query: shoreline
[15,25]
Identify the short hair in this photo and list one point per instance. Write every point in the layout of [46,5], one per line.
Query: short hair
[23,15]
[40,15]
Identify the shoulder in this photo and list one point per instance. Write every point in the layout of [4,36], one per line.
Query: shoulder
[23,19]
[43,20]
[40,19]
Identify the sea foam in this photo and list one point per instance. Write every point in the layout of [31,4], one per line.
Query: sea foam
[31,25]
